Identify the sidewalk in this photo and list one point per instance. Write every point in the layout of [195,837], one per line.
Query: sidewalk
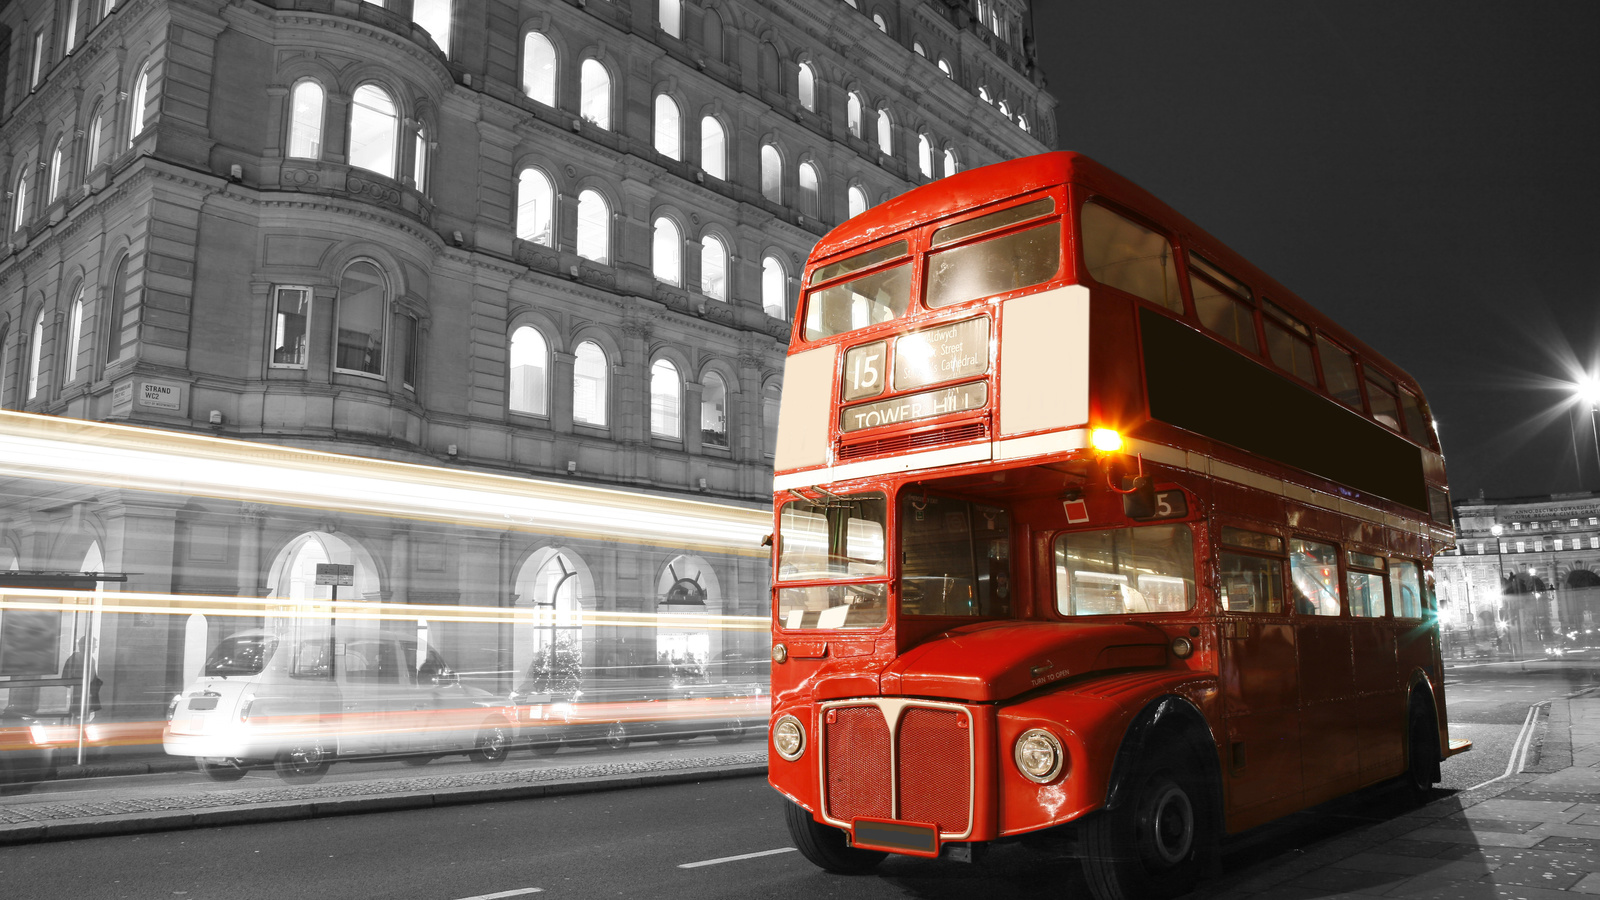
[1529,836]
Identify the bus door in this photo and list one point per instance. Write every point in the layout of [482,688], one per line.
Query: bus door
[1260,677]
[1329,761]
[1380,717]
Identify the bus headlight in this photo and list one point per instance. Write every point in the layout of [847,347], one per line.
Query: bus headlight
[1039,755]
[789,738]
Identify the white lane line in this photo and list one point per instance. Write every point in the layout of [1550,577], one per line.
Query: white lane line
[1519,747]
[726,859]
[519,892]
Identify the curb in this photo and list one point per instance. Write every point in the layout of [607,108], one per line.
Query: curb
[141,823]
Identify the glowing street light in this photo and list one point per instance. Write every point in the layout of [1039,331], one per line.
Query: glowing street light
[1587,390]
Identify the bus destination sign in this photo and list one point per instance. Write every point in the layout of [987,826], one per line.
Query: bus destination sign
[910,407]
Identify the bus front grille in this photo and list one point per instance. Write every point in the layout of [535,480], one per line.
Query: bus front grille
[921,772]
[902,443]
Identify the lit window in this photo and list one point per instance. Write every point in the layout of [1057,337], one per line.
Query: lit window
[53,176]
[419,160]
[590,373]
[69,366]
[885,133]
[774,288]
[1005,108]
[713,267]
[95,131]
[1022,122]
[665,400]
[594,227]
[35,351]
[669,128]
[771,173]
[878,21]
[136,108]
[535,208]
[810,193]
[116,330]
[1123,254]
[983,93]
[857,200]
[925,156]
[539,68]
[666,252]
[72,25]
[374,129]
[951,164]
[670,15]
[713,410]
[808,87]
[713,148]
[918,49]
[36,68]
[944,66]
[291,313]
[595,94]
[434,17]
[363,303]
[853,108]
[305,120]
[530,366]
[19,200]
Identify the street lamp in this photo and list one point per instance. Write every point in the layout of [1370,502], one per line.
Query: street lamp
[1499,567]
[1587,390]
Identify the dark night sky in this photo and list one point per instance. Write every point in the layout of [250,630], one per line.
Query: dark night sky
[1426,173]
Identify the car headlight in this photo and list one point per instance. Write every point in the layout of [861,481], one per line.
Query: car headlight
[789,738]
[1038,755]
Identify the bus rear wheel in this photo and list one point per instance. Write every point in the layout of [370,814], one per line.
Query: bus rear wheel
[1422,750]
[1153,843]
[825,846]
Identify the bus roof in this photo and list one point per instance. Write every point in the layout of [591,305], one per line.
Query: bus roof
[989,184]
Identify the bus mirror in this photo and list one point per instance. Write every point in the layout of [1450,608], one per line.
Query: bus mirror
[1140,501]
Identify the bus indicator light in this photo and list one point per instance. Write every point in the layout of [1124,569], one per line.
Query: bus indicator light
[1105,440]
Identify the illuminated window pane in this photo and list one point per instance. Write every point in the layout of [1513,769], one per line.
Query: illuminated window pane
[858,201]
[530,366]
[362,311]
[666,252]
[925,156]
[590,374]
[374,129]
[434,17]
[594,227]
[665,400]
[535,208]
[853,108]
[419,160]
[771,173]
[714,410]
[291,313]
[53,176]
[539,68]
[713,148]
[713,268]
[774,288]
[69,365]
[305,120]
[136,106]
[951,164]
[670,15]
[810,193]
[595,94]
[808,87]
[669,128]
[885,133]
[35,352]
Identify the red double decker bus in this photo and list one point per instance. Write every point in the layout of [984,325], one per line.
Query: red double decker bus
[1087,527]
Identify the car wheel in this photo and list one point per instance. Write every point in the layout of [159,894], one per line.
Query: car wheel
[617,736]
[827,847]
[302,765]
[545,749]
[733,735]
[1153,844]
[222,768]
[418,760]
[492,746]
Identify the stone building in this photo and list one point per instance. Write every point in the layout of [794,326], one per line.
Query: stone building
[1525,571]
[549,238]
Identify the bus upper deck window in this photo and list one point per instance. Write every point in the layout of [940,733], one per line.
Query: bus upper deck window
[1339,371]
[1288,342]
[1223,303]
[879,297]
[1381,395]
[1125,570]
[994,266]
[1125,255]
[993,221]
[1416,418]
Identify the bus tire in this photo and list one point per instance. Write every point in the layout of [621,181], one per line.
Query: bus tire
[223,769]
[826,846]
[302,765]
[1422,749]
[1153,844]
[492,745]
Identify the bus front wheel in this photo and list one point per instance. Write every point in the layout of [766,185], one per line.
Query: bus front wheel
[825,846]
[1153,843]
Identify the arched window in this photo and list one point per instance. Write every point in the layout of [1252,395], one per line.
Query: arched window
[713,410]
[535,208]
[140,96]
[877,20]
[1005,108]
[670,15]
[114,330]
[419,159]
[69,365]
[530,367]
[72,26]
[35,352]
[550,652]
[983,94]
[595,94]
[769,417]
[96,131]
[594,227]
[434,17]
[808,87]
[711,29]
[885,133]
[305,120]
[713,147]
[925,155]
[713,268]
[666,400]
[918,49]
[363,315]
[951,165]
[853,107]
[1022,122]
[810,193]
[666,252]
[590,374]
[374,130]
[19,199]
[539,68]
[944,66]
[857,199]
[53,176]
[669,127]
[774,288]
[771,173]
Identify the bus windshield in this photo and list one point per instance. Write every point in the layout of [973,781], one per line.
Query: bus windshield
[833,539]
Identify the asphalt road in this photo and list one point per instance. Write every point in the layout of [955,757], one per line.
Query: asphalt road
[708,840]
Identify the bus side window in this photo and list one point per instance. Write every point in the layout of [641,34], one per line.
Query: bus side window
[1288,342]
[1405,586]
[1223,304]
[1365,588]
[1381,394]
[1125,255]
[1251,583]
[1314,575]
[1339,372]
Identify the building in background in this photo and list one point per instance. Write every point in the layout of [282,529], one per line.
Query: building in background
[549,238]
[1524,576]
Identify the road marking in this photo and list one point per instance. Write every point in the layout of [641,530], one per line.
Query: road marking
[519,892]
[725,859]
[1519,747]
